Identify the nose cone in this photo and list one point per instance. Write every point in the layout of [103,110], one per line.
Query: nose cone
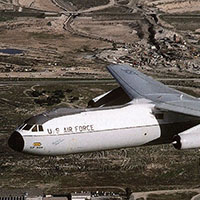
[16,142]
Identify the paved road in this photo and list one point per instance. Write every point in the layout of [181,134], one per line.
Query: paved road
[53,81]
[179,79]
[97,187]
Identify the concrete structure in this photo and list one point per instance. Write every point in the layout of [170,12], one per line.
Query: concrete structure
[107,197]
[54,198]
[81,196]
[21,194]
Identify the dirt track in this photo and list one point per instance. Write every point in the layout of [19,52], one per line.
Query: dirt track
[38,4]
[93,9]
[145,195]
[171,6]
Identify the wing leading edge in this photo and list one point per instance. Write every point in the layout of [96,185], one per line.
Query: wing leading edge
[138,85]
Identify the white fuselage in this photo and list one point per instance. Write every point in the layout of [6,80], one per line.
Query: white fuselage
[128,126]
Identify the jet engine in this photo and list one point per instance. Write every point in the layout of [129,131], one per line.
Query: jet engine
[188,139]
[116,96]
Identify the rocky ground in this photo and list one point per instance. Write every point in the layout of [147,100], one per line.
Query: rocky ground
[65,40]
[82,44]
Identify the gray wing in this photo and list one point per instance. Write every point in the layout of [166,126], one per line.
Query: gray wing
[186,107]
[138,85]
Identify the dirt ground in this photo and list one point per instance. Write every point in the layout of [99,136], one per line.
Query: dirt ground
[111,30]
[38,4]
[52,50]
[76,44]
[79,45]
[178,6]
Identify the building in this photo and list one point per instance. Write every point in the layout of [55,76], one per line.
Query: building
[81,196]
[21,194]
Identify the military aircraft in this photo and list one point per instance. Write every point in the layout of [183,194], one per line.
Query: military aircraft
[151,113]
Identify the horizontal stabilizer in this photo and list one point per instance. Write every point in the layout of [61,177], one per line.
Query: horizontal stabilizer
[191,108]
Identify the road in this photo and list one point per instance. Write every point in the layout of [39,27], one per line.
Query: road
[179,79]
[97,8]
[144,195]
[70,15]
[85,188]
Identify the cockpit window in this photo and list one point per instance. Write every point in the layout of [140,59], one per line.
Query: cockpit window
[27,127]
[21,126]
[40,128]
[37,128]
[34,129]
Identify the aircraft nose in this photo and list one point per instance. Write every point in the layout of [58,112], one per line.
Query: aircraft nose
[16,142]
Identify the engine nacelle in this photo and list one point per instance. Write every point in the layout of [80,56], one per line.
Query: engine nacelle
[188,139]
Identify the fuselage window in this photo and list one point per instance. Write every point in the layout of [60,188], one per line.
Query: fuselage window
[34,129]
[27,127]
[40,128]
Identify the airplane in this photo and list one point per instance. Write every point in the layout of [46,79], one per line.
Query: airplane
[149,113]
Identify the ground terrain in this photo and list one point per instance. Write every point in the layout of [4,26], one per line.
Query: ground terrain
[65,48]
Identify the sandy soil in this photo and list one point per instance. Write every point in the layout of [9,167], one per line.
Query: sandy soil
[112,3]
[38,4]
[50,48]
[171,6]
[55,52]
[144,195]
[109,29]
